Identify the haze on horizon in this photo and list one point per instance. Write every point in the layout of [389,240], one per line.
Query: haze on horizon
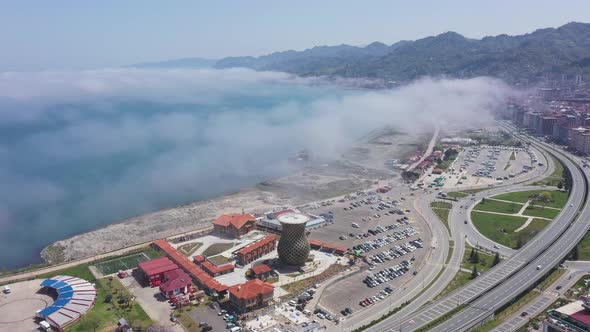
[74,34]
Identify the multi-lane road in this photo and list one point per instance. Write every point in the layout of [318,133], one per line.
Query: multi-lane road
[513,276]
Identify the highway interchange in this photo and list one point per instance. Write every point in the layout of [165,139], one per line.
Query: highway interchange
[480,298]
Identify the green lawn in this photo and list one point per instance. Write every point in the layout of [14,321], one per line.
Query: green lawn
[485,260]
[498,228]
[107,314]
[555,177]
[189,248]
[497,206]
[123,263]
[584,248]
[441,205]
[217,248]
[219,260]
[539,211]
[460,279]
[457,194]
[559,197]
[443,215]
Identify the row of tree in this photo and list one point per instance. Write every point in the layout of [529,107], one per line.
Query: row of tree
[475,259]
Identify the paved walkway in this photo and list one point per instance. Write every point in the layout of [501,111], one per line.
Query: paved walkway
[510,214]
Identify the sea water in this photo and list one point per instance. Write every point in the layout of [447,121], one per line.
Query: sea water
[69,165]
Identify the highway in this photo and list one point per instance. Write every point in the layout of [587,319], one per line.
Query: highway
[539,266]
[521,274]
[459,231]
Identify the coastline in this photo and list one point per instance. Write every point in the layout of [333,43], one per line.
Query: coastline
[357,169]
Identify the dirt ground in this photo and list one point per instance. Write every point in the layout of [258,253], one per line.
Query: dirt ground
[316,179]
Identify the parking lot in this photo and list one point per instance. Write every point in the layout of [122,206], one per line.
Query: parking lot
[388,232]
[486,165]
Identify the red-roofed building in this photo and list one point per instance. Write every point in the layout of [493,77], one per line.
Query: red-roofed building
[252,294]
[327,247]
[257,249]
[204,280]
[154,269]
[261,271]
[175,282]
[437,171]
[211,268]
[234,225]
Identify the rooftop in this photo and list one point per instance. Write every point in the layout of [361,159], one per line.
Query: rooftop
[235,219]
[260,269]
[251,289]
[249,248]
[174,280]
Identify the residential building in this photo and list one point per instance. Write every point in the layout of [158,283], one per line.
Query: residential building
[327,247]
[154,269]
[256,250]
[252,294]
[175,282]
[261,271]
[211,268]
[234,225]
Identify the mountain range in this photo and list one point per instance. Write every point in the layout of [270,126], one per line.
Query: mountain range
[529,57]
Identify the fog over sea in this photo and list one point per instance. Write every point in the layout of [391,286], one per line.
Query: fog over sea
[83,149]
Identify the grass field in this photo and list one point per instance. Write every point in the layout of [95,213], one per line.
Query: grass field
[485,260]
[219,259]
[555,177]
[107,313]
[497,206]
[559,197]
[217,248]
[457,194]
[460,279]
[441,205]
[498,228]
[123,263]
[584,248]
[189,248]
[539,211]
[443,215]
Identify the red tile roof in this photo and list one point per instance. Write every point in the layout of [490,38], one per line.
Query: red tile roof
[175,280]
[196,272]
[214,269]
[317,243]
[260,269]
[249,248]
[235,219]
[157,266]
[251,289]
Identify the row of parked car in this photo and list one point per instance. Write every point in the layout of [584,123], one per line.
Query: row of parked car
[387,274]
[395,252]
[382,241]
[376,298]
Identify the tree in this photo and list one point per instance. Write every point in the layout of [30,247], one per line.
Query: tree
[476,257]
[472,254]
[560,185]
[474,273]
[483,200]
[496,259]
[519,242]
[574,254]
[108,298]
[545,196]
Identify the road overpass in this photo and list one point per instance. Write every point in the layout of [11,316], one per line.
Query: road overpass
[484,295]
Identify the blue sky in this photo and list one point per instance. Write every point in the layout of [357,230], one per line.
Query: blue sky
[74,34]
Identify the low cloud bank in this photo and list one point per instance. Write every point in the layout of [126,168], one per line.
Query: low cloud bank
[81,149]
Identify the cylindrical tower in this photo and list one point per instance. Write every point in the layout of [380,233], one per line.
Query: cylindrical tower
[293,248]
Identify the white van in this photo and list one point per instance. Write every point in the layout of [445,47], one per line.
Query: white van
[6,290]
[44,326]
[355,225]
[236,329]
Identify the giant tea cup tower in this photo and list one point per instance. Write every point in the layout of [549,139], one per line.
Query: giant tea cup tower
[293,248]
